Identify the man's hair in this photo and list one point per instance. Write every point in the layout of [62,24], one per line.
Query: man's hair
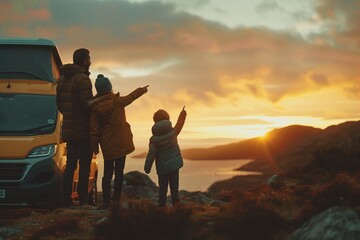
[161,115]
[80,55]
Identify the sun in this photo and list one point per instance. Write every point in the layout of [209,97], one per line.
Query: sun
[264,136]
[260,132]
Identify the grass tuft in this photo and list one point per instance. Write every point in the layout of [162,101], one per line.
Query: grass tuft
[61,227]
[143,220]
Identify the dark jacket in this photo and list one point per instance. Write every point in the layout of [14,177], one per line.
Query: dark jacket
[74,91]
[164,147]
[109,126]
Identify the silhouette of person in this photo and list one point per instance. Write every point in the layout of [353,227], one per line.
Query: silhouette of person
[165,151]
[110,129]
[74,90]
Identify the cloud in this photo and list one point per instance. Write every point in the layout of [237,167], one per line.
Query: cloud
[187,4]
[319,79]
[269,6]
[132,42]
[224,121]
[13,12]
[343,21]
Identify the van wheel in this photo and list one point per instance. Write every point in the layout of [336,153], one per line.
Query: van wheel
[93,198]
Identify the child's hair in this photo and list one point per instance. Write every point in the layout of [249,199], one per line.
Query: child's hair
[161,115]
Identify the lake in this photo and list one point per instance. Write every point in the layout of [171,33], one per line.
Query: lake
[195,175]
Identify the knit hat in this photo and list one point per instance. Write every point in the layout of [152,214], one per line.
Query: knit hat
[102,84]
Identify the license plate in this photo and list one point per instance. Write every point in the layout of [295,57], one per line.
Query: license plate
[2,193]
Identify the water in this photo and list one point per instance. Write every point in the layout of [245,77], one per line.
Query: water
[194,175]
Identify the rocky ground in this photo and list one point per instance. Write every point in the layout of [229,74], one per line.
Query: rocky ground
[80,222]
[293,206]
[77,223]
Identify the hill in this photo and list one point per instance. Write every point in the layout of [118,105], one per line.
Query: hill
[336,147]
[274,144]
[326,152]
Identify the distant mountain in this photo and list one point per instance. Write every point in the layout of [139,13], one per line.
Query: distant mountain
[276,143]
[290,147]
[312,155]
[336,147]
[345,136]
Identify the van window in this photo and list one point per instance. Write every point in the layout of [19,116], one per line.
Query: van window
[27,114]
[26,62]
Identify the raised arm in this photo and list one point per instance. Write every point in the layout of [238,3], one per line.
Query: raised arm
[180,122]
[126,100]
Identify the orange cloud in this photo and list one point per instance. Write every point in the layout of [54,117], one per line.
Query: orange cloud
[241,70]
[15,12]
[39,14]
[343,21]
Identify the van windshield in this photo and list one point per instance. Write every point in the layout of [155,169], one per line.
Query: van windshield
[27,114]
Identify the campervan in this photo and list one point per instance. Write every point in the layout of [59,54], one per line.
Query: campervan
[32,153]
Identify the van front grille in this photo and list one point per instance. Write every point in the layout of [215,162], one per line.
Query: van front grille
[12,171]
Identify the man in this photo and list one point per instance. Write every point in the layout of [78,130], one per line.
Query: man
[74,91]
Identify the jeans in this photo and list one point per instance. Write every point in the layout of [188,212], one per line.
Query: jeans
[118,165]
[164,180]
[77,151]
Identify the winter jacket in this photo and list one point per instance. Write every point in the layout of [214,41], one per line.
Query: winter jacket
[164,147]
[74,90]
[109,126]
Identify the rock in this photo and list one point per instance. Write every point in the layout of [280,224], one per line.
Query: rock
[275,181]
[139,185]
[243,183]
[272,180]
[6,232]
[334,224]
[200,198]
[102,220]
[34,213]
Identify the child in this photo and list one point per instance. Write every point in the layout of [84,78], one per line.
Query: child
[108,127]
[165,150]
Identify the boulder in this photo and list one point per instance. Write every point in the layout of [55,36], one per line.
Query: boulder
[139,185]
[200,198]
[333,224]
[6,232]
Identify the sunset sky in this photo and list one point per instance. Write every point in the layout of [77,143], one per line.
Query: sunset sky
[241,67]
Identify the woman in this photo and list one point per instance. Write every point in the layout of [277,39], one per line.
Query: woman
[108,127]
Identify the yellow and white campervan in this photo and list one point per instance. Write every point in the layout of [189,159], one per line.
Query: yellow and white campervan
[32,154]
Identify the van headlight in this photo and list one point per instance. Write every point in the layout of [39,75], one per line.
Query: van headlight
[43,151]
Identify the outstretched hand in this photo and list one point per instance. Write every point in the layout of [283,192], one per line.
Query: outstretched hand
[183,110]
[145,88]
